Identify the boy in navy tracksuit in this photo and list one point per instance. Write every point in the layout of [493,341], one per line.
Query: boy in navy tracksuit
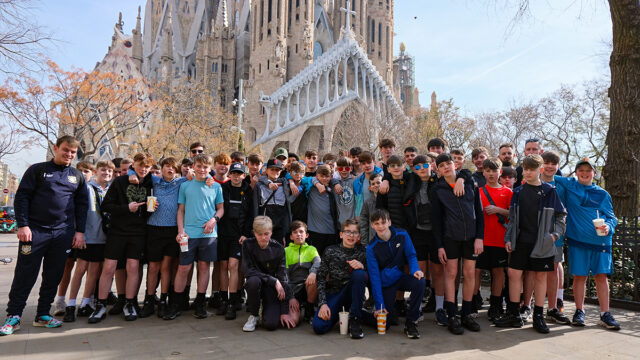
[387,254]
[51,210]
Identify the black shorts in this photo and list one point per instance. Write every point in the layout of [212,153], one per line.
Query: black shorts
[229,247]
[73,254]
[124,247]
[422,239]
[459,249]
[492,257]
[92,253]
[301,295]
[161,242]
[519,259]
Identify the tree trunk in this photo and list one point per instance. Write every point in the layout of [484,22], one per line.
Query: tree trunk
[622,170]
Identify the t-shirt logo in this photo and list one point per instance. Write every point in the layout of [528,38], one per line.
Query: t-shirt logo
[72,179]
[25,249]
[347,196]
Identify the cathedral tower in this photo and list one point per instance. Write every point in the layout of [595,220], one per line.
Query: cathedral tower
[136,50]
[300,14]
[380,37]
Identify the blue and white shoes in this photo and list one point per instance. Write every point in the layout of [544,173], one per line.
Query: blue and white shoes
[609,322]
[47,321]
[11,325]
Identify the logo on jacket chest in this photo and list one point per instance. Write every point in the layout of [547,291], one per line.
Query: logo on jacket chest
[72,179]
[136,193]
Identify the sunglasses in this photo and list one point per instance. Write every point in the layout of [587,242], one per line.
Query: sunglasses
[344,168]
[421,166]
[194,151]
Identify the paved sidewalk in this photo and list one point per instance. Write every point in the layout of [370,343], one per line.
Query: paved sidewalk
[215,338]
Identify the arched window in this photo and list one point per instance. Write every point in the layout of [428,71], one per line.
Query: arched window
[317,50]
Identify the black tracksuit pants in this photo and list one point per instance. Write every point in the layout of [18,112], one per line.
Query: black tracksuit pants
[259,291]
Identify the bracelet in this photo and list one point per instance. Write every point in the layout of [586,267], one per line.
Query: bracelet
[217,218]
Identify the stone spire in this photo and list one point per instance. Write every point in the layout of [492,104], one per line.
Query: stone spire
[136,51]
[167,48]
[222,20]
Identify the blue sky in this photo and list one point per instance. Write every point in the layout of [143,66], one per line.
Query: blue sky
[463,49]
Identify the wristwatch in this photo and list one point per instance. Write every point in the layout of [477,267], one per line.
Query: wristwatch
[217,218]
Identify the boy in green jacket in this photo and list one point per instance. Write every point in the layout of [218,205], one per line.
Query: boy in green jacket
[303,262]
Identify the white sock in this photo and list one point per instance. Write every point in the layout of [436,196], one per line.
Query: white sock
[72,302]
[85,301]
[439,302]
[602,313]
[560,294]
[59,298]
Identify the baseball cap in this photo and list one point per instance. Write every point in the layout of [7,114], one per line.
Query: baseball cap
[585,161]
[281,152]
[237,167]
[275,163]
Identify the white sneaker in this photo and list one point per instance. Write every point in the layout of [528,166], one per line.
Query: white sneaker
[250,325]
[59,307]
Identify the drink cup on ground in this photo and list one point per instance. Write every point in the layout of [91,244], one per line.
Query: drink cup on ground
[344,322]
[382,323]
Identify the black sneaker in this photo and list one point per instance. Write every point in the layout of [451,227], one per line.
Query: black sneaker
[162,308]
[470,323]
[441,317]
[539,324]
[183,302]
[355,330]
[98,314]
[525,313]
[454,325]
[494,312]
[111,298]
[578,318]
[129,312]
[116,309]
[215,301]
[477,301]
[558,317]
[411,330]
[199,309]
[509,320]
[69,314]
[401,308]
[149,307]
[430,306]
[222,310]
[230,314]
[85,311]
[172,311]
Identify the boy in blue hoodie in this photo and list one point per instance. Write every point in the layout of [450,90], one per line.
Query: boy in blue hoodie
[589,248]
[387,254]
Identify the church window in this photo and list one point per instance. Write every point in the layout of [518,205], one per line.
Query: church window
[289,17]
[296,48]
[236,18]
[373,31]
[259,68]
[268,64]
[317,50]
[379,33]
[297,3]
[270,10]
[214,67]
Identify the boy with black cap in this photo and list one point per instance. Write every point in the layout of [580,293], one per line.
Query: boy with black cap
[270,199]
[589,246]
[458,229]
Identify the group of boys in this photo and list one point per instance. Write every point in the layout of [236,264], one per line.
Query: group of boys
[306,237]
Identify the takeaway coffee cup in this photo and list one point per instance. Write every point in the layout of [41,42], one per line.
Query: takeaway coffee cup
[382,323]
[151,203]
[344,322]
[599,224]
[184,244]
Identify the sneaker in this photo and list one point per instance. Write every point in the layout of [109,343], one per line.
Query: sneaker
[222,310]
[200,309]
[355,330]
[59,307]
[116,309]
[525,313]
[47,321]
[69,314]
[470,323]
[578,318]
[11,325]
[215,301]
[162,308]
[558,317]
[401,308]
[560,305]
[539,324]
[148,308]
[98,314]
[129,312]
[85,311]
[509,320]
[454,325]
[477,301]
[441,317]
[411,330]
[230,314]
[430,306]
[494,312]
[609,322]
[171,312]
[251,323]
[112,299]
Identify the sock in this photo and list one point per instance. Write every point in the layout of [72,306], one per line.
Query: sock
[85,302]
[131,301]
[72,302]
[223,295]
[602,313]
[450,308]
[537,310]
[103,302]
[439,302]
[467,308]
[163,297]
[234,297]
[428,282]
[121,297]
[200,297]
[214,293]
[495,301]
[514,308]
[560,294]
[59,298]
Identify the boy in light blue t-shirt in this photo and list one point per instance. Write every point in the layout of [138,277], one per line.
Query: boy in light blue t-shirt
[200,207]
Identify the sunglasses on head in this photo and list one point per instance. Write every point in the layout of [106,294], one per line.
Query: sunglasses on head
[344,168]
[194,151]
[421,166]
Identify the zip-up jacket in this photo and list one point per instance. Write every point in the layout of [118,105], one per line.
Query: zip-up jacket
[53,197]
[93,233]
[302,260]
[399,200]
[456,218]
[552,217]
[366,231]
[357,189]
[584,203]
[334,272]
[238,213]
[116,203]
[386,261]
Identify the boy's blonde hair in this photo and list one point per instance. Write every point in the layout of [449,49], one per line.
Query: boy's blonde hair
[262,224]
[203,159]
[105,163]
